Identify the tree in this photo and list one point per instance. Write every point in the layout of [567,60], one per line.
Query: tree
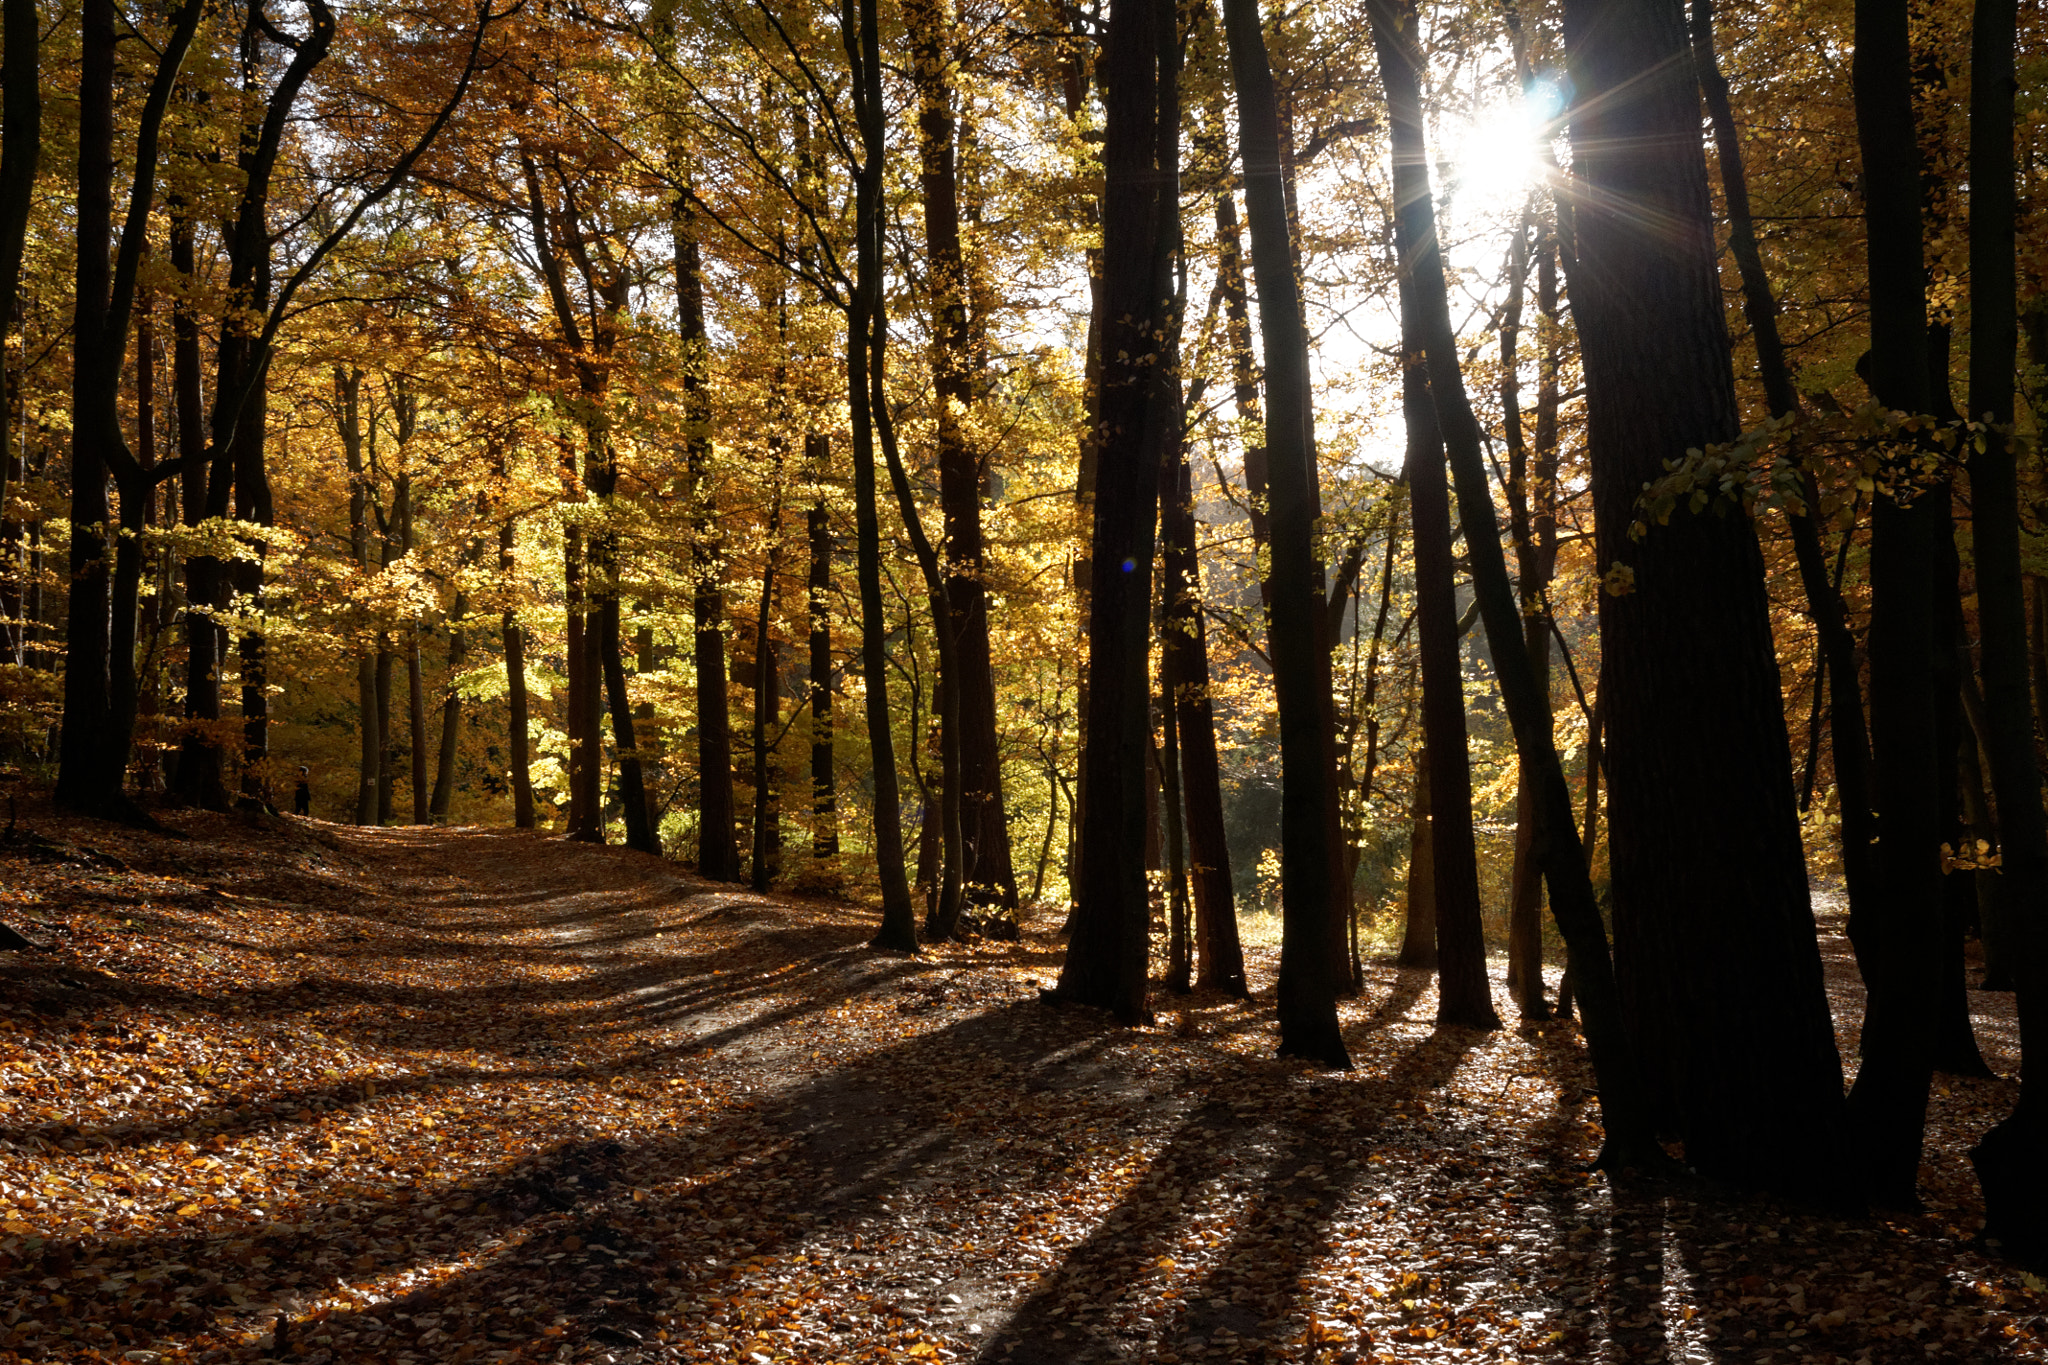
[1312,968]
[1901,939]
[99,636]
[1106,959]
[2008,1159]
[1716,955]
[1625,1099]
[1463,995]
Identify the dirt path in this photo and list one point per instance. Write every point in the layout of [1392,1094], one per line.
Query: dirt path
[408,1096]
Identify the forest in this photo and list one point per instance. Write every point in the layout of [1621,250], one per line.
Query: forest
[640,641]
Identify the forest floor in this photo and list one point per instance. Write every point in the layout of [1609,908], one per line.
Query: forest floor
[282,1089]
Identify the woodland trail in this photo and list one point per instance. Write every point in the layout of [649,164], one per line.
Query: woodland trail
[290,1090]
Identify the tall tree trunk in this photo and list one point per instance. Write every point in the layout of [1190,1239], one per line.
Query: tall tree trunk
[515,686]
[2008,1159]
[1716,956]
[348,392]
[417,740]
[717,855]
[420,740]
[237,423]
[451,722]
[984,829]
[99,677]
[1626,1113]
[767,700]
[860,29]
[1902,938]
[824,784]
[387,745]
[611,664]
[187,388]
[1464,996]
[1312,966]
[1179,947]
[1184,666]
[21,146]
[1532,509]
[1106,958]
[80,776]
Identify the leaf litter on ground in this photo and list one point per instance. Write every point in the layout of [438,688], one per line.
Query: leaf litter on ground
[286,1090]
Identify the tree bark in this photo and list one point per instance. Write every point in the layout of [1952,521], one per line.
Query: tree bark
[1532,508]
[1902,938]
[1184,665]
[21,146]
[99,676]
[987,872]
[824,781]
[2008,1159]
[1312,966]
[1464,996]
[860,29]
[237,421]
[767,702]
[717,855]
[1716,955]
[1106,959]
[451,723]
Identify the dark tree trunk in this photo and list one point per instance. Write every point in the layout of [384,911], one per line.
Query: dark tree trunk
[1106,959]
[1464,996]
[1184,665]
[371,746]
[1532,510]
[21,146]
[1716,955]
[2008,1160]
[387,746]
[420,741]
[348,390]
[767,703]
[860,28]
[81,775]
[1244,378]
[451,723]
[1418,935]
[1179,944]
[253,508]
[1630,1135]
[632,785]
[186,385]
[824,784]
[521,765]
[99,676]
[1312,965]
[717,855]
[1901,939]
[610,669]
[985,832]
[586,754]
